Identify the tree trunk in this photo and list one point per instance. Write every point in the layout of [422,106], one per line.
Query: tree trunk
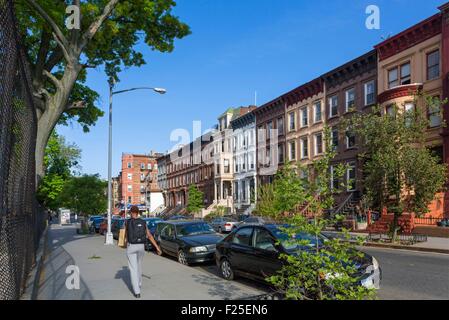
[54,108]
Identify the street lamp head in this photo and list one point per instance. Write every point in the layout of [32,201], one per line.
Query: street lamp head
[160,90]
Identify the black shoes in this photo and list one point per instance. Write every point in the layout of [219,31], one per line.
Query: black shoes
[137,296]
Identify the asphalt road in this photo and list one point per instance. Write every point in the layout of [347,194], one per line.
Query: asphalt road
[406,275]
[412,275]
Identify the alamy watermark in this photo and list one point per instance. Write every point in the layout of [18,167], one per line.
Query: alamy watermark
[372,22]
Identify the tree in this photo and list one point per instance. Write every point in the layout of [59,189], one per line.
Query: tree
[85,195]
[108,34]
[402,173]
[196,200]
[317,268]
[60,160]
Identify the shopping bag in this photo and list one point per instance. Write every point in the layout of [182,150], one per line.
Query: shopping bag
[121,238]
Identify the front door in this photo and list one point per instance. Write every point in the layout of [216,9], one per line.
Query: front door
[241,249]
[265,260]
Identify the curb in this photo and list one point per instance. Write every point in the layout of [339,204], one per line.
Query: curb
[32,288]
[402,247]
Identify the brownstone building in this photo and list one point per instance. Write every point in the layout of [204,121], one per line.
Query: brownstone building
[190,164]
[349,88]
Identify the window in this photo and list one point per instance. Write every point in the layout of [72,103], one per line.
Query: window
[129,200]
[350,139]
[129,165]
[333,106]
[281,153]
[149,166]
[304,117]
[405,74]
[304,174]
[304,148]
[393,78]
[434,113]
[142,177]
[142,188]
[280,126]
[292,122]
[350,177]
[370,95]
[399,75]
[318,144]
[334,137]
[317,111]
[350,99]
[142,166]
[226,166]
[292,150]
[269,128]
[390,110]
[130,176]
[334,179]
[433,65]
[130,188]
[409,113]
[243,237]
[263,240]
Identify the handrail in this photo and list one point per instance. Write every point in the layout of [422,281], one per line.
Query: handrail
[344,203]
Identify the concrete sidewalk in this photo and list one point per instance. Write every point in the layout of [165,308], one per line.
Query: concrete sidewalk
[433,244]
[104,273]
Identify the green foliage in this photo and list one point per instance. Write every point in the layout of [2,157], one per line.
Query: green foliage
[313,270]
[196,200]
[59,161]
[85,195]
[115,46]
[402,174]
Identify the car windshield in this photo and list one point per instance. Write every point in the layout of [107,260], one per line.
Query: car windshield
[289,242]
[194,229]
[229,220]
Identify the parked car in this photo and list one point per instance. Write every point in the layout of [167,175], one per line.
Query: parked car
[151,224]
[253,251]
[94,223]
[104,226]
[443,223]
[178,217]
[116,225]
[223,224]
[250,220]
[188,240]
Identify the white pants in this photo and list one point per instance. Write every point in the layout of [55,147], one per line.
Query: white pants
[135,253]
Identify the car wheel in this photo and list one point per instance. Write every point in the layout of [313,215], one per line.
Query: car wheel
[182,258]
[226,270]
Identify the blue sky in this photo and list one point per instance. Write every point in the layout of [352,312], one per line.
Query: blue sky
[236,47]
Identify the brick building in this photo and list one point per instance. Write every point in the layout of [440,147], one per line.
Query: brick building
[139,181]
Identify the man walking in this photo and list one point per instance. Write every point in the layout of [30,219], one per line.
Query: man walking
[136,233]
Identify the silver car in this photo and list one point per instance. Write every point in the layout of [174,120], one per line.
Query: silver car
[223,224]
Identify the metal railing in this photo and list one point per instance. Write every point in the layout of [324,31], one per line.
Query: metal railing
[429,221]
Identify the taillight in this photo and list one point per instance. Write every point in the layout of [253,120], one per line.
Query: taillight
[228,225]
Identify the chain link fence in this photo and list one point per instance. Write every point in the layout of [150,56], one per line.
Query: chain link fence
[21,220]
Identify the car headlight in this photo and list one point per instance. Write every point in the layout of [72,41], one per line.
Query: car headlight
[198,249]
[375,264]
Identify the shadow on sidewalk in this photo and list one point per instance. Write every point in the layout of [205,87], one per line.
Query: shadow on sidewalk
[125,276]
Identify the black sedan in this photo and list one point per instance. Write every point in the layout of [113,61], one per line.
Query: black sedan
[253,251]
[189,241]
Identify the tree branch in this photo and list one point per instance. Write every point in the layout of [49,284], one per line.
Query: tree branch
[57,32]
[42,55]
[54,59]
[93,28]
[53,79]
[63,49]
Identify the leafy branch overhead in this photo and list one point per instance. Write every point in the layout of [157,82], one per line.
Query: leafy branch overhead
[110,35]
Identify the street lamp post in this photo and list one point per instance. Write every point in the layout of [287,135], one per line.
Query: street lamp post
[109,239]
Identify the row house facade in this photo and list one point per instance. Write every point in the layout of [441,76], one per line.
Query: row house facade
[417,61]
[224,156]
[244,158]
[349,88]
[190,164]
[270,139]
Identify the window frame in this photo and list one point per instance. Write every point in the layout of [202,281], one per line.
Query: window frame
[315,135]
[331,99]
[436,65]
